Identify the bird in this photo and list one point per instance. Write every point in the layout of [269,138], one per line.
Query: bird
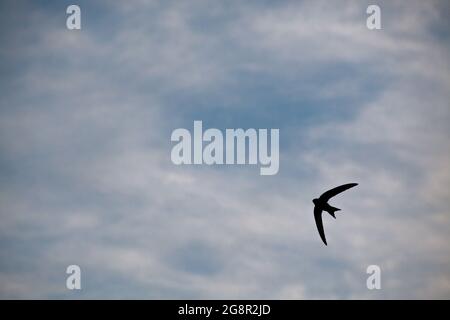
[321,204]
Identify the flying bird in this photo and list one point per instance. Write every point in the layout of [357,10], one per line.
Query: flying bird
[321,204]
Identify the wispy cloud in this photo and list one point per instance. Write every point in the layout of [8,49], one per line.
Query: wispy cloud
[85,147]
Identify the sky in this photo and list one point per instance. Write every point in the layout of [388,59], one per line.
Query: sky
[86,176]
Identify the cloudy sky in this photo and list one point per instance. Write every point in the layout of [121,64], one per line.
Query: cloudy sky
[85,170]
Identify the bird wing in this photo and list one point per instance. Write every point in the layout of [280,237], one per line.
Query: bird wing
[332,192]
[319,223]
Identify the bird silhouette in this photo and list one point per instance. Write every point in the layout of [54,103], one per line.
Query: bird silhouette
[321,204]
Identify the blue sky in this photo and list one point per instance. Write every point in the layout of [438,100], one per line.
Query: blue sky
[86,176]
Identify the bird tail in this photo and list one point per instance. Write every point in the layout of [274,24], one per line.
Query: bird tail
[331,210]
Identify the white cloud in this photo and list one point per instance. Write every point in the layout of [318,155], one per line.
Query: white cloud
[86,144]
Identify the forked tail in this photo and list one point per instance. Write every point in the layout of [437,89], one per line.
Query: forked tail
[331,210]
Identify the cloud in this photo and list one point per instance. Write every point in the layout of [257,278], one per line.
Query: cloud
[85,147]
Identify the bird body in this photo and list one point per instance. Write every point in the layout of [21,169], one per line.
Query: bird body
[321,204]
